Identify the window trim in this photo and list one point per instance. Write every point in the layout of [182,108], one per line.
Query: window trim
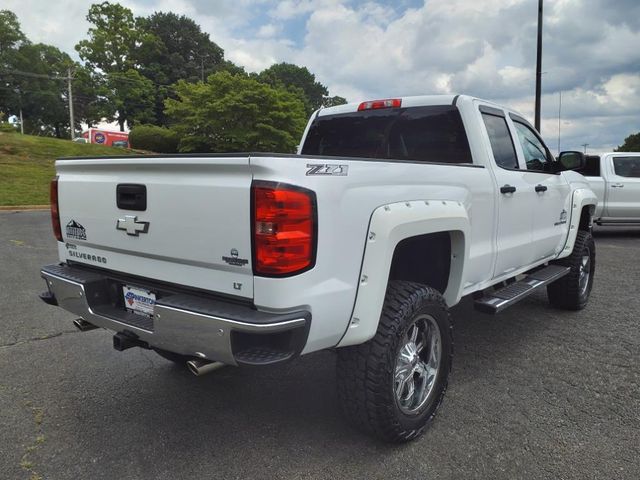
[495,112]
[518,119]
[613,165]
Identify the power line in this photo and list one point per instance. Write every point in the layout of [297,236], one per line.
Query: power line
[31,74]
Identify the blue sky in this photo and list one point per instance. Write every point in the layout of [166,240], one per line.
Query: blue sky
[364,49]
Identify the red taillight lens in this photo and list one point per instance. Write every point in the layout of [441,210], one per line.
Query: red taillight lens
[377,104]
[55,212]
[284,229]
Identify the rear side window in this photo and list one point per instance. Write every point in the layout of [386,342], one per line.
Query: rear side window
[591,166]
[423,134]
[627,166]
[504,152]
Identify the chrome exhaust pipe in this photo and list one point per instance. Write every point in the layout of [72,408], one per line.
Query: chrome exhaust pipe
[84,326]
[202,367]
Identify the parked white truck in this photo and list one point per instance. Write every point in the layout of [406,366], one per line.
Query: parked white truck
[615,179]
[390,213]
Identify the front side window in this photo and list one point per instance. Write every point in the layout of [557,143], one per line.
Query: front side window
[504,152]
[627,166]
[535,153]
[424,134]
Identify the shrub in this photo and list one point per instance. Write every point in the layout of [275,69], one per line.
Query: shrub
[6,127]
[153,138]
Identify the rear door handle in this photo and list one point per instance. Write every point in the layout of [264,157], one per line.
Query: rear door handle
[541,188]
[507,189]
[617,185]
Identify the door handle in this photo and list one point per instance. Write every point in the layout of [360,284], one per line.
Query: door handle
[507,189]
[541,188]
[617,185]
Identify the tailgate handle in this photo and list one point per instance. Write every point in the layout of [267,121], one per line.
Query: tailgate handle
[131,196]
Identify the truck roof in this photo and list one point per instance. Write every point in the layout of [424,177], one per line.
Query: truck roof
[410,101]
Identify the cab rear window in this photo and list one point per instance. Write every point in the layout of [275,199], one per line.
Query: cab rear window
[423,134]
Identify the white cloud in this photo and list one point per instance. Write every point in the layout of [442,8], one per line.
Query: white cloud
[366,49]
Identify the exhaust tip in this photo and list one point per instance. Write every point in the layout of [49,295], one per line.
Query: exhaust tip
[82,325]
[202,367]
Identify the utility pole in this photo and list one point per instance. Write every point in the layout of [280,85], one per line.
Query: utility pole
[202,69]
[585,145]
[72,122]
[539,66]
[21,122]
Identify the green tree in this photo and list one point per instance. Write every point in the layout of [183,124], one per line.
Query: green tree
[180,50]
[11,35]
[631,144]
[175,48]
[114,44]
[333,101]
[36,82]
[112,39]
[298,80]
[129,97]
[233,113]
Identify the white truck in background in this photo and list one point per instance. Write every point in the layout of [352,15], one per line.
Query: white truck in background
[615,179]
[390,213]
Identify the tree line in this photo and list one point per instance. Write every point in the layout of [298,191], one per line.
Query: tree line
[160,71]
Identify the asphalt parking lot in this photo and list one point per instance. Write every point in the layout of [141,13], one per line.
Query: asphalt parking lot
[534,393]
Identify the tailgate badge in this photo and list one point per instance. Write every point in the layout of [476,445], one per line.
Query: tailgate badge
[75,230]
[132,226]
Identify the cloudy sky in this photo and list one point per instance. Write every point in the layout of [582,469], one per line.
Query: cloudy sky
[370,49]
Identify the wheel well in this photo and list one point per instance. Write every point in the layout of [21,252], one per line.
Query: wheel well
[585,217]
[424,259]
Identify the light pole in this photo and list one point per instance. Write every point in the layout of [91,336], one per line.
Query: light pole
[539,66]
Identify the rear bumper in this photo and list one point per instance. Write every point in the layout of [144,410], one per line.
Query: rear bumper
[195,325]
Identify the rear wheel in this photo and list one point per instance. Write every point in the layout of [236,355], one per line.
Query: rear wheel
[572,291]
[392,385]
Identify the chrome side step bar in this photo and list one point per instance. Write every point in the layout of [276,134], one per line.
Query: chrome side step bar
[503,298]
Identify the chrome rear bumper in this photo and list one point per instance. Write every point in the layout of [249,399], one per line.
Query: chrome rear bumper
[189,324]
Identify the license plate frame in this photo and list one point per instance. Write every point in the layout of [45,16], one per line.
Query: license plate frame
[139,301]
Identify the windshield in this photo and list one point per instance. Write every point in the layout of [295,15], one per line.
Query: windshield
[426,134]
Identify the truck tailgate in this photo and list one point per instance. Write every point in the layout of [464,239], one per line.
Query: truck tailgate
[194,230]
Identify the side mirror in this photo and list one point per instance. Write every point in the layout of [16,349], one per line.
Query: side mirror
[572,160]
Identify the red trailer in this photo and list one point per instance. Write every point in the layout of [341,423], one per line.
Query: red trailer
[106,137]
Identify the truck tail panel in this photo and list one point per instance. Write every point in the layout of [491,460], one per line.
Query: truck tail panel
[181,219]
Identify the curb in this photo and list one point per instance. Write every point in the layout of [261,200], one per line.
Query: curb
[23,207]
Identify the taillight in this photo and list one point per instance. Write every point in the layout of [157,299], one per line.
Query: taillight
[55,212]
[377,104]
[284,229]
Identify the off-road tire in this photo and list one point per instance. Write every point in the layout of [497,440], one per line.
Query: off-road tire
[566,293]
[365,373]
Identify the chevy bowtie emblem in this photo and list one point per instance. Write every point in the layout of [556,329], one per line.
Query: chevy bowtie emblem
[132,226]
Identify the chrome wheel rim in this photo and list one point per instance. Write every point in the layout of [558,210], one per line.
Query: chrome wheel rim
[585,271]
[417,364]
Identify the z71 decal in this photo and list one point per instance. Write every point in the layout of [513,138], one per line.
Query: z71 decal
[327,169]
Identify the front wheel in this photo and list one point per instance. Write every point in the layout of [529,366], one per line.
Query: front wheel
[392,385]
[572,291]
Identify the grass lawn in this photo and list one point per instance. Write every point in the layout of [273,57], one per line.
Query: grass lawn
[26,165]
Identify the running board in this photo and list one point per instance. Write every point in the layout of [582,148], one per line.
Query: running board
[505,297]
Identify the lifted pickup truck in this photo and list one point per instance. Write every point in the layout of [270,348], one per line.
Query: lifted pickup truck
[615,179]
[390,213]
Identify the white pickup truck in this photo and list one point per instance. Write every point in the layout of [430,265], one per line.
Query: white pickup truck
[390,213]
[615,179]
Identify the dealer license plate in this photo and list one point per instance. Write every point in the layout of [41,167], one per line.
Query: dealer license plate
[138,300]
